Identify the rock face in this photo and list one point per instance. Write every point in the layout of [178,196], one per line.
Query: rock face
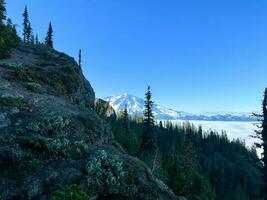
[52,137]
[104,110]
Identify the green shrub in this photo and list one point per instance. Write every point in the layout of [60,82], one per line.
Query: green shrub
[58,146]
[49,145]
[70,193]
[163,187]
[49,125]
[8,40]
[34,87]
[106,173]
[11,100]
[24,74]
[80,147]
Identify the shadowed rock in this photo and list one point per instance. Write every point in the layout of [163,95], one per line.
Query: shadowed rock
[50,131]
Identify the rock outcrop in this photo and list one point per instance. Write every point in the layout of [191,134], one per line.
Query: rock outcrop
[105,110]
[52,137]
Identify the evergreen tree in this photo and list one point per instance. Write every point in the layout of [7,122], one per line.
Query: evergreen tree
[125,122]
[148,137]
[157,168]
[36,39]
[30,37]
[262,135]
[80,58]
[8,38]
[49,37]
[161,125]
[25,25]
[9,23]
[2,11]
[149,117]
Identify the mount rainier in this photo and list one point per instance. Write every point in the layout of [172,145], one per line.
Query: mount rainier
[136,106]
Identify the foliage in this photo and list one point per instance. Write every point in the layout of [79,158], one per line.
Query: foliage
[34,87]
[80,147]
[148,137]
[10,100]
[148,114]
[27,31]
[49,125]
[129,140]
[49,37]
[8,33]
[57,146]
[2,11]
[80,59]
[72,192]
[8,40]
[198,164]
[106,173]
[162,185]
[50,145]
[261,135]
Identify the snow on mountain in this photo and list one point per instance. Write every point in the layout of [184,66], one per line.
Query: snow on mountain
[135,106]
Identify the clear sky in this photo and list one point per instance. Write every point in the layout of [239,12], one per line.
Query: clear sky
[197,55]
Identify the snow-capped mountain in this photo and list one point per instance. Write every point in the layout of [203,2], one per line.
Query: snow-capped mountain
[135,106]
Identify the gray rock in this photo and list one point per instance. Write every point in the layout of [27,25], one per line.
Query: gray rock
[48,138]
[104,109]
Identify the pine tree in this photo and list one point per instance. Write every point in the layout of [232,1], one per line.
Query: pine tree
[2,11]
[8,35]
[30,37]
[148,138]
[49,37]
[149,117]
[160,125]
[36,39]
[9,23]
[262,135]
[25,25]
[80,58]
[14,29]
[125,122]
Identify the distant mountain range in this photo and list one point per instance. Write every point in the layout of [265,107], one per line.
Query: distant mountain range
[135,106]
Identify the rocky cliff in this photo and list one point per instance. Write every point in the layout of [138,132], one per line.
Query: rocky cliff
[51,136]
[105,110]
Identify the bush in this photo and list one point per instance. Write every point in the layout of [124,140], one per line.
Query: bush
[34,87]
[8,40]
[59,146]
[11,100]
[163,187]
[80,147]
[49,145]
[49,125]
[106,173]
[70,193]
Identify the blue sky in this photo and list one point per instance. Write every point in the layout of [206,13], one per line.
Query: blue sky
[196,55]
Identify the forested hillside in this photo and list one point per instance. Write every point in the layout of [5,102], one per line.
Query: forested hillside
[194,163]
